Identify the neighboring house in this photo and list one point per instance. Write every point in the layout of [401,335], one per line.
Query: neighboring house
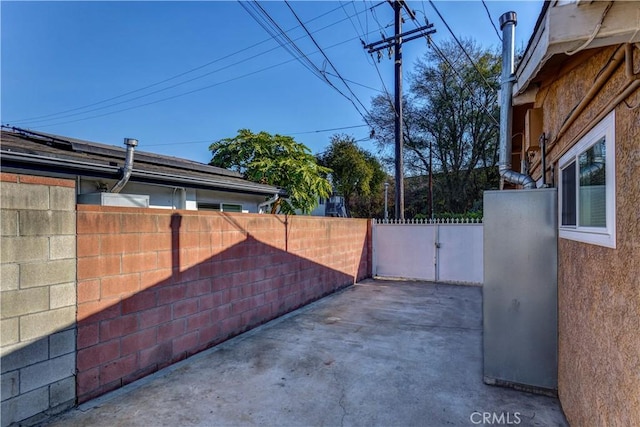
[576,111]
[155,181]
[333,206]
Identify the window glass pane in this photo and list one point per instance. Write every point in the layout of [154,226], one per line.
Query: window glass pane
[231,208]
[592,196]
[569,194]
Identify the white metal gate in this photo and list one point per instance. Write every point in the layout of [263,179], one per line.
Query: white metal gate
[434,250]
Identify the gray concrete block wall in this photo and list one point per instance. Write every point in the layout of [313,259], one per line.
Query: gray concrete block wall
[37,297]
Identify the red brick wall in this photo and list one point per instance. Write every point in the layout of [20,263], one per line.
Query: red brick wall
[156,286]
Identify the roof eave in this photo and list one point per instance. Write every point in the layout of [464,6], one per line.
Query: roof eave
[83,168]
[563,28]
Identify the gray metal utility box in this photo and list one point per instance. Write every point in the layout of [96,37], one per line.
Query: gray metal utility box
[520,293]
[114,199]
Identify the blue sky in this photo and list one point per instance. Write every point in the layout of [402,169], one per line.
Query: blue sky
[220,70]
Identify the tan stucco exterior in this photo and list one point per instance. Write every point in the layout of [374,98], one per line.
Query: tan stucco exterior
[598,287]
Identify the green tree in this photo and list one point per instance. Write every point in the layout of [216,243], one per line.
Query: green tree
[450,115]
[275,160]
[356,175]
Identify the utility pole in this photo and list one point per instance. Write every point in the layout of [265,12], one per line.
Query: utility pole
[396,42]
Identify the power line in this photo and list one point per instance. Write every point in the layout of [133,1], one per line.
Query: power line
[356,83]
[373,61]
[284,133]
[491,20]
[189,92]
[460,44]
[330,63]
[311,66]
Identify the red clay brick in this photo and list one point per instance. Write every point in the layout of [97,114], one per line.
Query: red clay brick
[150,242]
[207,270]
[165,259]
[118,369]
[154,316]
[122,285]
[204,255]
[88,290]
[97,267]
[205,302]
[187,275]
[198,321]
[139,302]
[94,311]
[168,331]
[98,223]
[139,374]
[240,306]
[153,278]
[88,245]
[144,261]
[155,355]
[231,325]
[57,182]
[189,240]
[87,381]
[185,307]
[8,177]
[241,278]
[198,287]
[119,244]
[230,266]
[87,335]
[118,327]
[171,294]
[235,293]
[138,341]
[139,223]
[185,342]
[221,313]
[204,241]
[98,355]
[209,334]
[190,222]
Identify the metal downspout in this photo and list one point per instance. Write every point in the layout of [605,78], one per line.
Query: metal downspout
[508,24]
[128,165]
[263,205]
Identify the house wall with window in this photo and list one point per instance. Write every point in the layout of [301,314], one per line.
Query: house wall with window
[179,197]
[598,177]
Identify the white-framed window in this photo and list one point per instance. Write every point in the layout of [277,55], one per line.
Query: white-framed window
[221,207]
[586,189]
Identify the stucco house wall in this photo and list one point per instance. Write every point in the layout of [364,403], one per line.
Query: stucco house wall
[598,286]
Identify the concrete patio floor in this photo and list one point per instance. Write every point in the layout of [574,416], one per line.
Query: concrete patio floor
[380,353]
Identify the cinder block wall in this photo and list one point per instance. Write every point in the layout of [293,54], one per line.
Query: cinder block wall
[156,286]
[38,297]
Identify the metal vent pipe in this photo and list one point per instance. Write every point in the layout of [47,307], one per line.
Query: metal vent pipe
[507,25]
[128,165]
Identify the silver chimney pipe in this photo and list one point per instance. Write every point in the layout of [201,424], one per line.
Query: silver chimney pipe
[128,165]
[508,26]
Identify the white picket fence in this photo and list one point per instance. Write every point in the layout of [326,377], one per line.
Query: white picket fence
[439,250]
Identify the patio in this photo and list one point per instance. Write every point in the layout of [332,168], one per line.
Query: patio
[376,354]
